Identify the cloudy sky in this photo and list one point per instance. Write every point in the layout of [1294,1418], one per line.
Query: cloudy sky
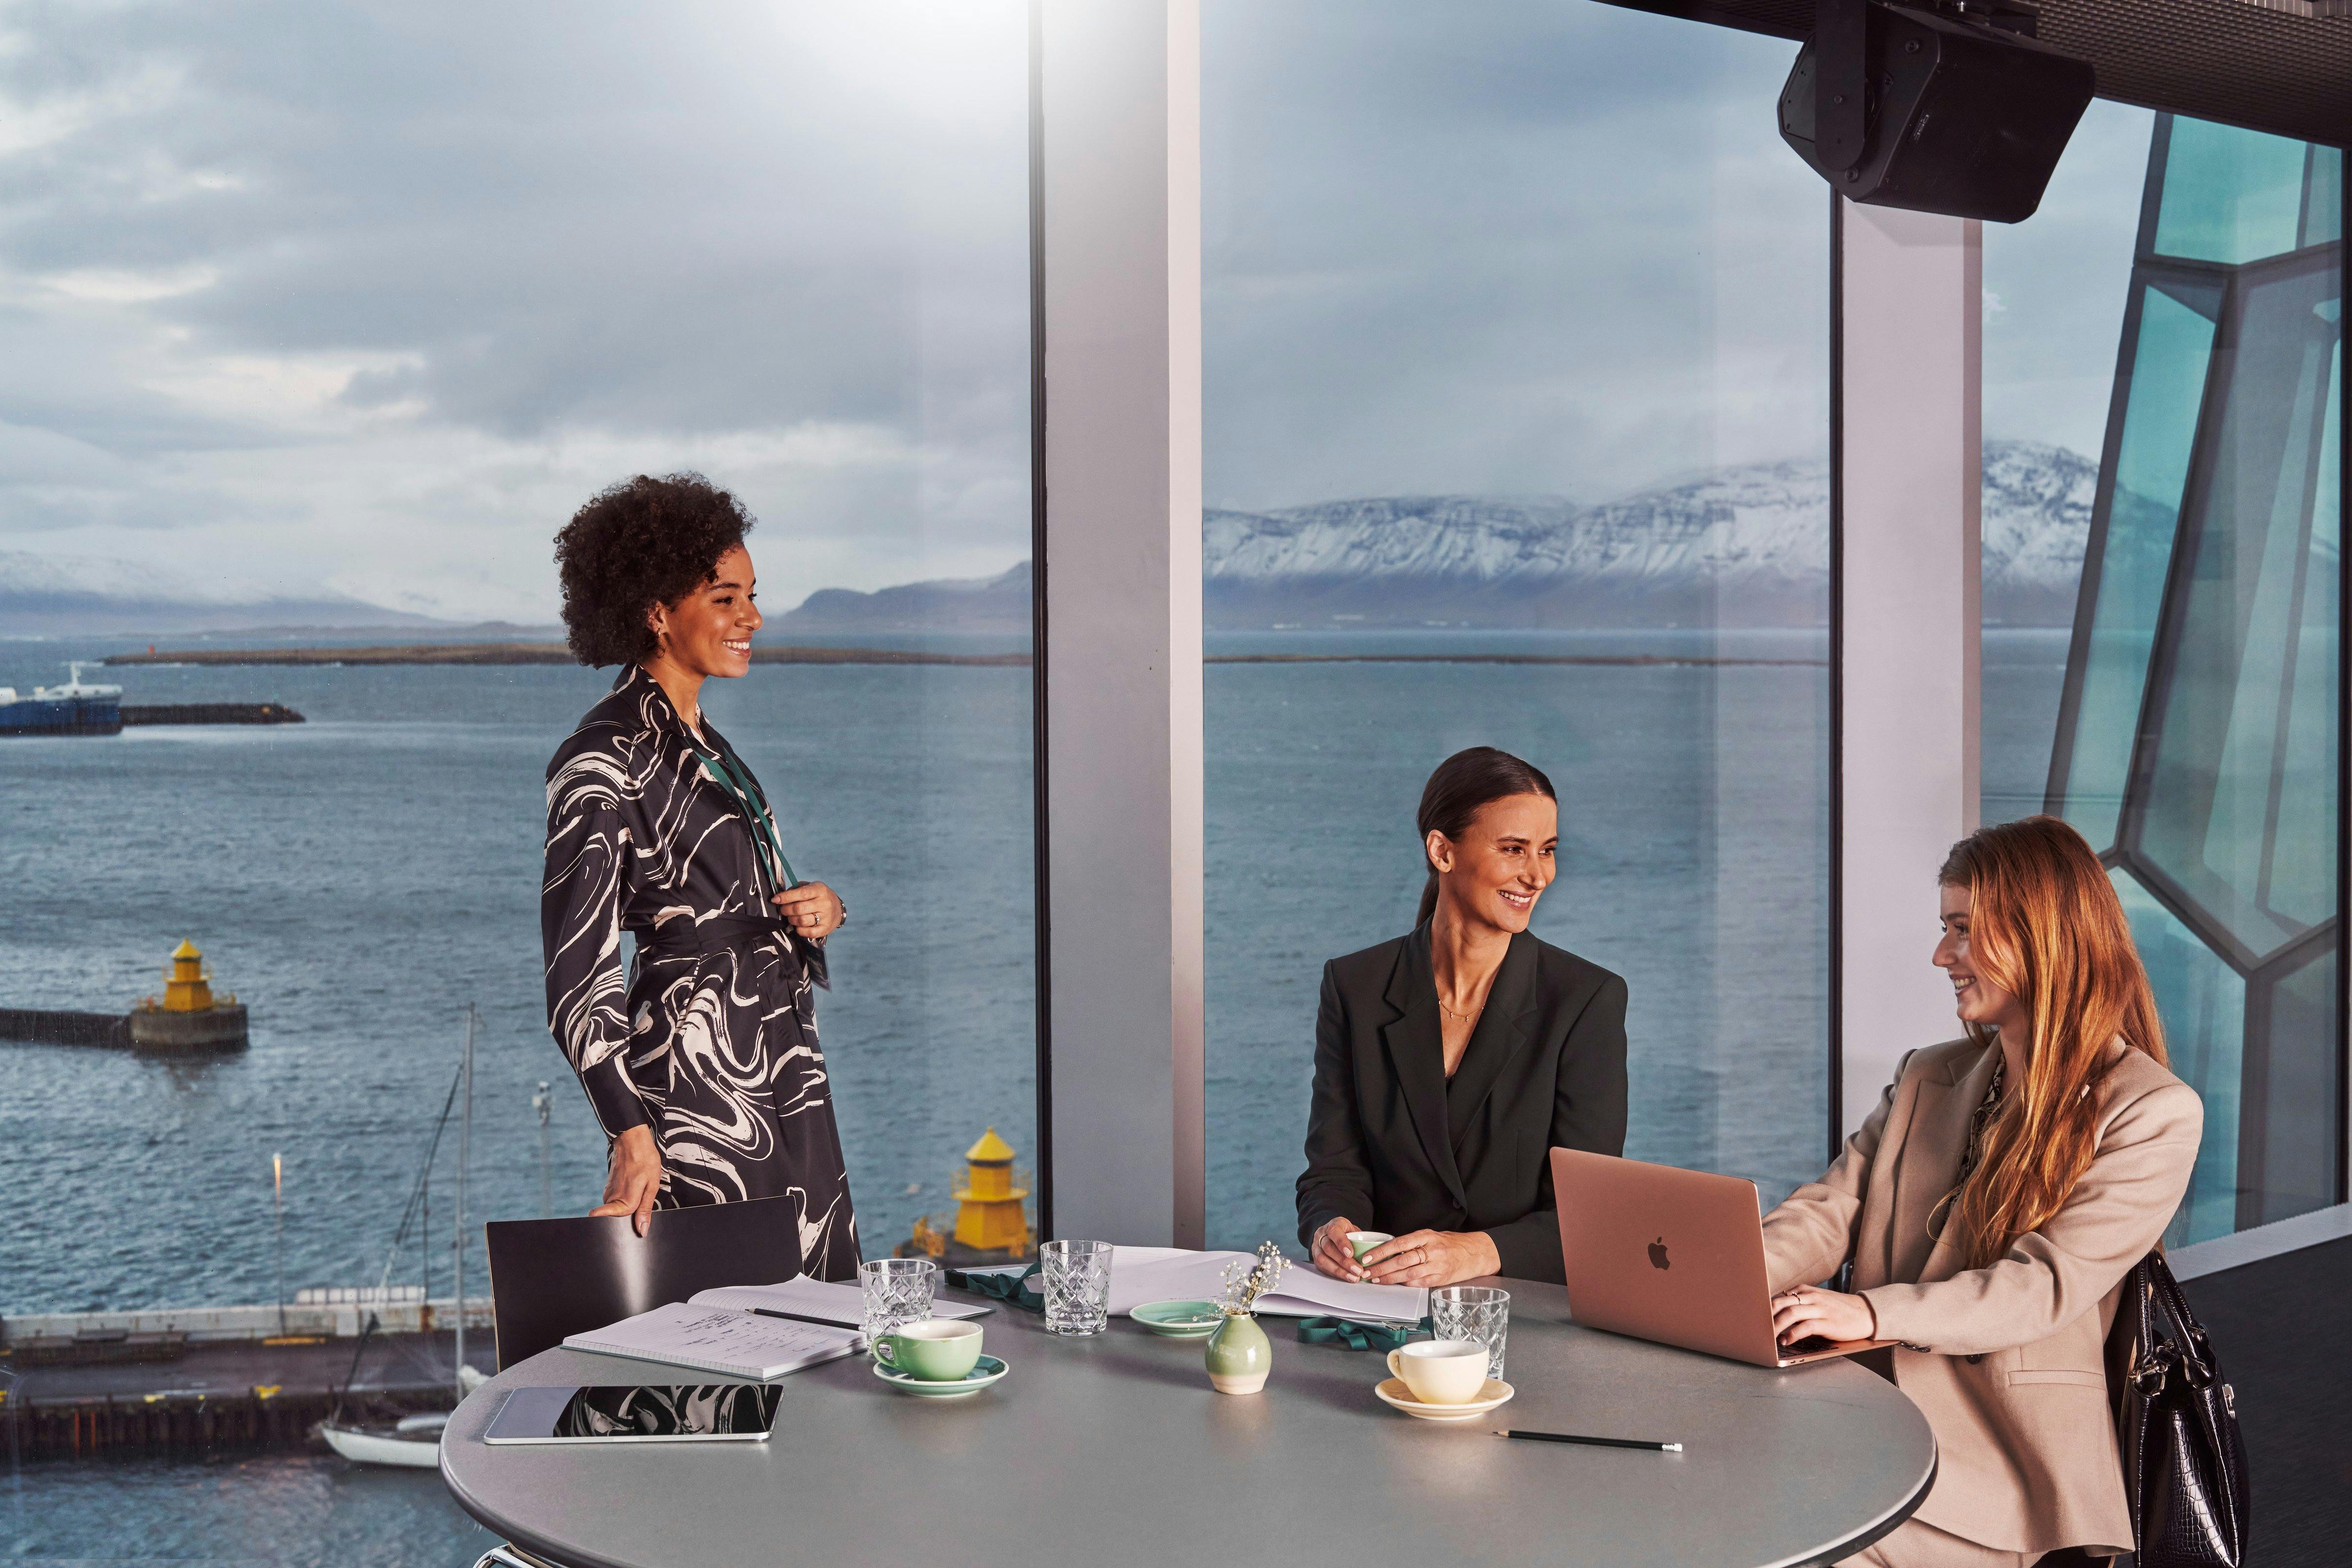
[371,295]
[367,298]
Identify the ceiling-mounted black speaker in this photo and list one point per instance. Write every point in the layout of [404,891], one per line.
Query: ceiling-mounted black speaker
[1899,108]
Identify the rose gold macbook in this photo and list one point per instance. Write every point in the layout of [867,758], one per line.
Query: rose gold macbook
[1672,1255]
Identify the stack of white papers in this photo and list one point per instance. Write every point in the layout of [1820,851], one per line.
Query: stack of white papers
[720,1340]
[1141,1274]
[724,1329]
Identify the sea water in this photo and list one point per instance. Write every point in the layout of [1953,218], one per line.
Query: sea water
[361,878]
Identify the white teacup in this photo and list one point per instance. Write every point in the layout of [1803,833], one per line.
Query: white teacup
[1440,1371]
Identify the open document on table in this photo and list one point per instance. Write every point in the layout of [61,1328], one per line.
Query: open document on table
[1141,1274]
[719,1339]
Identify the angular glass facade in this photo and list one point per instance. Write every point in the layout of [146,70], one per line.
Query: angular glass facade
[2198,741]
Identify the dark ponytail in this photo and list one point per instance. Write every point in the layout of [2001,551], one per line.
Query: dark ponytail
[1463,784]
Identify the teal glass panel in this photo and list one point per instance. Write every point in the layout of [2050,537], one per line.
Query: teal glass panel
[2291,1094]
[2323,196]
[2167,388]
[2202,1002]
[2229,195]
[2239,811]
[2303,880]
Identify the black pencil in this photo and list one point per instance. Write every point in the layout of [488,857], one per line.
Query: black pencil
[801,1318]
[1595,1442]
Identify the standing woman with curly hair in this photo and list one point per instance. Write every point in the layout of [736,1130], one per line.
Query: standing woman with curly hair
[1993,1202]
[704,1069]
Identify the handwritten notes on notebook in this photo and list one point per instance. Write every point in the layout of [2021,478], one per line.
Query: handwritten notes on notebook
[719,1339]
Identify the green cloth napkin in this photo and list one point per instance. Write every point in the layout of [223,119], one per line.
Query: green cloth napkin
[1355,1336]
[1012,1289]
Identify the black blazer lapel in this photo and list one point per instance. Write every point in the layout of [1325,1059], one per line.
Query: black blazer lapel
[1416,1050]
[1503,1030]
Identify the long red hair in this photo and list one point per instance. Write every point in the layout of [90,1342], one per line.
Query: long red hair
[2046,927]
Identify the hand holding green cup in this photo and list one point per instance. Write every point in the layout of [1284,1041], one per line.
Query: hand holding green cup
[937,1350]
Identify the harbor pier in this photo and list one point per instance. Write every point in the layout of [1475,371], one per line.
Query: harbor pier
[185,1380]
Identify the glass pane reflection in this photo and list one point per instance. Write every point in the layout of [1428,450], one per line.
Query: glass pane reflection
[2203,1003]
[2167,388]
[2292,1147]
[2231,799]
[2229,195]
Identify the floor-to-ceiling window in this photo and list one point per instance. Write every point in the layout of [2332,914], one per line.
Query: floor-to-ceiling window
[1516,428]
[2197,742]
[315,324]
[2054,289]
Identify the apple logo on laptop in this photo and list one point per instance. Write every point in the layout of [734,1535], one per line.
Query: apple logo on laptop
[1658,1254]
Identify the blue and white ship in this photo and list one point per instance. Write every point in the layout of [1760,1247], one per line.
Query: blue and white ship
[76,708]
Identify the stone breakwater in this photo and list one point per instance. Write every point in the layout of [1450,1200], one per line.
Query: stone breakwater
[209,713]
[150,1030]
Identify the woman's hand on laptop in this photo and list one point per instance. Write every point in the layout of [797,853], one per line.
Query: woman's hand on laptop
[1432,1258]
[1809,1309]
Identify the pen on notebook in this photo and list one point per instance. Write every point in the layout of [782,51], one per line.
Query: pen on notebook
[1595,1442]
[803,1318]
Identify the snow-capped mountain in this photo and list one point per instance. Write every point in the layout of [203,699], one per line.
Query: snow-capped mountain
[1741,546]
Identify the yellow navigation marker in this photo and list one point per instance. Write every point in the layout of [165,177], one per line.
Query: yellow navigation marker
[990,1212]
[187,987]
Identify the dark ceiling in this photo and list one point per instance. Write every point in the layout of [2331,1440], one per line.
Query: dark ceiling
[2236,61]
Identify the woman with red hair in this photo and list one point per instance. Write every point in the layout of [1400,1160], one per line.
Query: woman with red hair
[1994,1201]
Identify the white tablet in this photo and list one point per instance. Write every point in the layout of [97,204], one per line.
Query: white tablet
[701,1413]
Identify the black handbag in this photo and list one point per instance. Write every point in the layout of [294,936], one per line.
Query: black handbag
[2177,1420]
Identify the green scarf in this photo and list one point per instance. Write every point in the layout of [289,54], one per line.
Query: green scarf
[720,764]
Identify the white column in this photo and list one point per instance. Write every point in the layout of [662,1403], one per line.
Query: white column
[1912,294]
[1119,118]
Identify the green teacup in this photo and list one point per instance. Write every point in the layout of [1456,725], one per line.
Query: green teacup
[1359,1242]
[937,1350]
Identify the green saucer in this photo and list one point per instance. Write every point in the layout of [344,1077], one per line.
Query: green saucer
[987,1370]
[1179,1319]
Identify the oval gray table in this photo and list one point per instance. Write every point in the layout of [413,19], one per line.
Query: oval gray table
[1113,1452]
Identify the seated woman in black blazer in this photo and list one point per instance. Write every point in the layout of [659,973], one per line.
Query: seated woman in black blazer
[1450,1062]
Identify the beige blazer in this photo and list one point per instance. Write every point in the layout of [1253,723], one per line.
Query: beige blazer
[2006,1362]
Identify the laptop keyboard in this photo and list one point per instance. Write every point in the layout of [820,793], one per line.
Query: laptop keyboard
[1806,1346]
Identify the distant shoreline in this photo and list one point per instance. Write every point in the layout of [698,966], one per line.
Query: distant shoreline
[529,653]
[556,653]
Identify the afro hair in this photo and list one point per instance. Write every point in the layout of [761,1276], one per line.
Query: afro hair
[642,542]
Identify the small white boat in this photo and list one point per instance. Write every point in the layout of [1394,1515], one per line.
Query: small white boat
[414,1442]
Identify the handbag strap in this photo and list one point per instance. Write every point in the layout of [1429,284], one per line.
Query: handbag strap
[2195,1350]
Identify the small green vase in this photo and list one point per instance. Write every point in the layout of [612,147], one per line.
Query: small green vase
[1239,1356]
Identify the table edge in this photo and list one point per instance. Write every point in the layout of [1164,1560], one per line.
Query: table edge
[571,1557]
[1873,1533]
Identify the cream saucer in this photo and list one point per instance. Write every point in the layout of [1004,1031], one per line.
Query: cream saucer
[1393,1391]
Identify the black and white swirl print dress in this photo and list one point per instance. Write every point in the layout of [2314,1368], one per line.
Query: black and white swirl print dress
[712,1040]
